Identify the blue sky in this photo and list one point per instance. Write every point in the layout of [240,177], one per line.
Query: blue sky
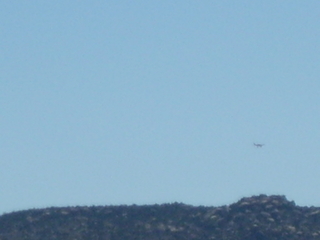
[122,102]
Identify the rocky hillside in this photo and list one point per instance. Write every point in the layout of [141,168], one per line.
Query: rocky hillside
[254,218]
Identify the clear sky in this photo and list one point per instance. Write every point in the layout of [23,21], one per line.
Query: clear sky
[143,102]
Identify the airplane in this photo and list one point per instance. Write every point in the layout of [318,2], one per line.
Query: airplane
[258,145]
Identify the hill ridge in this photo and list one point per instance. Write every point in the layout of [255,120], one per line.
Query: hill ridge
[260,217]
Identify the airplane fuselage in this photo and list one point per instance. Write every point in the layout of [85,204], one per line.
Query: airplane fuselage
[258,145]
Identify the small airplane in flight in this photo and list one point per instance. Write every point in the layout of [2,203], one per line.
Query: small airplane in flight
[258,145]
